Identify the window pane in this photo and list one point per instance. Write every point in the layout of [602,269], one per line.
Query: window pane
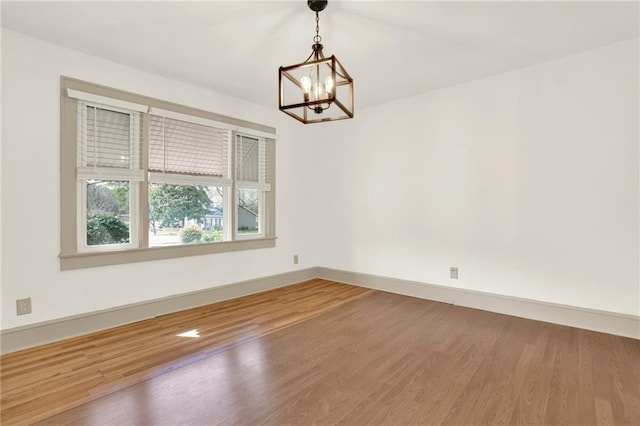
[181,147]
[248,211]
[185,214]
[107,212]
[106,139]
[247,159]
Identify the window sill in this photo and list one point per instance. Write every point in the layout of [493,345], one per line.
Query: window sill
[105,258]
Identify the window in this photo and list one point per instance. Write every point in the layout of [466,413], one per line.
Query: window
[149,180]
[108,170]
[189,179]
[252,183]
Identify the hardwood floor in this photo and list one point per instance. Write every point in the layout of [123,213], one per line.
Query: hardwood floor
[328,353]
[41,382]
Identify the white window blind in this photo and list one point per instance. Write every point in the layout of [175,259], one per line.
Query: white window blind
[182,152]
[251,163]
[108,143]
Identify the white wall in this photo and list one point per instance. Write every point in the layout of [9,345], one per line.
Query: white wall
[31,72]
[527,181]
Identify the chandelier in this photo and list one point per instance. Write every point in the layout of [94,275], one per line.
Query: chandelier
[318,89]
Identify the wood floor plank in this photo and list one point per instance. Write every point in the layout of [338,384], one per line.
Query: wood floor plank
[327,353]
[604,415]
[563,403]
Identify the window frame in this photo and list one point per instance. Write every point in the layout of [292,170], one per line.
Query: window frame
[73,255]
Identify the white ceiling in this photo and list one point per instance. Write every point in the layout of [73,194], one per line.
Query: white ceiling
[392,49]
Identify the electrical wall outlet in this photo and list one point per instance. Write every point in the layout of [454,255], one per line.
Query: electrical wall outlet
[453,272]
[23,306]
[295,259]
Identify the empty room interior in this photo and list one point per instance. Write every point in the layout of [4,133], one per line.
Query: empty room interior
[310,212]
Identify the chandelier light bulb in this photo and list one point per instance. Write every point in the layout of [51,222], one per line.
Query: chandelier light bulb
[306,83]
[318,89]
[328,84]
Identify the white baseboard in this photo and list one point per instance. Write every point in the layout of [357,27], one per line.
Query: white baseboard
[32,335]
[18,338]
[590,319]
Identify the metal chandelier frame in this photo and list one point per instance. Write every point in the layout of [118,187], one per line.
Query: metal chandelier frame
[304,95]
